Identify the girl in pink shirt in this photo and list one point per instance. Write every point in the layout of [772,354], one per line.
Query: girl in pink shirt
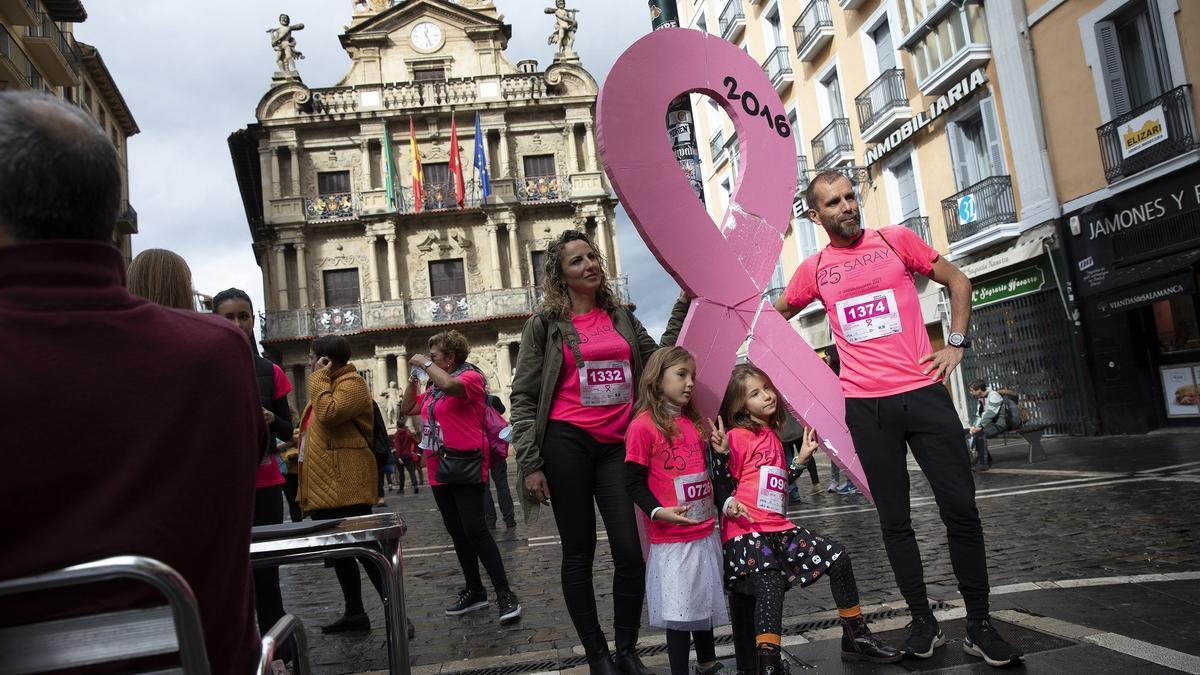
[666,461]
[765,553]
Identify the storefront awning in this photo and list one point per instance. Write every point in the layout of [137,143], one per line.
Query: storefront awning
[1027,246]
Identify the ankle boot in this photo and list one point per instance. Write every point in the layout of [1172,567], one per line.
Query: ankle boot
[858,644]
[770,661]
[603,665]
[626,657]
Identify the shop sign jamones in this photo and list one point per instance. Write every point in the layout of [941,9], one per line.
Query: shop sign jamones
[958,93]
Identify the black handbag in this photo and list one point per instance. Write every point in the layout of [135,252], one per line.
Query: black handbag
[459,467]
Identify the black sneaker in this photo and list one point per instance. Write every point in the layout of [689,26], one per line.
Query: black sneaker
[510,608]
[468,601]
[983,641]
[924,636]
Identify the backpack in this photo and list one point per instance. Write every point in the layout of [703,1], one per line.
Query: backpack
[380,443]
[1016,414]
[493,424]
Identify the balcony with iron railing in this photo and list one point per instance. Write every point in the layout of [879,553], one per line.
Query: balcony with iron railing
[307,323]
[449,93]
[549,188]
[919,225]
[333,207]
[15,67]
[801,174]
[833,146]
[716,147]
[883,105]
[127,221]
[732,20]
[437,197]
[1127,150]
[53,51]
[778,68]
[981,214]
[813,30]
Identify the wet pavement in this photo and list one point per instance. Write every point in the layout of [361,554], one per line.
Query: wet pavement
[1097,508]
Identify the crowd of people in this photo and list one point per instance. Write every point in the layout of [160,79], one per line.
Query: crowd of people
[602,419]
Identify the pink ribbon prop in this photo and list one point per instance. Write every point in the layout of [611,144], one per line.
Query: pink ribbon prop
[725,269]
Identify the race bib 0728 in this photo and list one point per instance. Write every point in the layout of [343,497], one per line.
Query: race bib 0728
[695,490]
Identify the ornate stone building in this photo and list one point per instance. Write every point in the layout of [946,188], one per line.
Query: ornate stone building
[344,243]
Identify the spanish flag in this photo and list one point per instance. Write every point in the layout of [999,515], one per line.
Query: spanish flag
[456,162]
[414,168]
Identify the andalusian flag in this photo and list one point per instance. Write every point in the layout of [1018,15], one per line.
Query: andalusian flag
[456,163]
[414,168]
[388,182]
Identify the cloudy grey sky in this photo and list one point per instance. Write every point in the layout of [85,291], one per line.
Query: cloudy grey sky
[192,73]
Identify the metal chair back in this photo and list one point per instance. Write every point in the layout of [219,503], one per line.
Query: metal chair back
[106,637]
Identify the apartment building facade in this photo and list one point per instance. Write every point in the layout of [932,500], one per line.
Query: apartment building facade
[39,52]
[930,107]
[1119,105]
[345,243]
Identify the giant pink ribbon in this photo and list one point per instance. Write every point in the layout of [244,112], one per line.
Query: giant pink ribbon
[725,269]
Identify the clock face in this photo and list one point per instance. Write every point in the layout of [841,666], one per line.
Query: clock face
[426,35]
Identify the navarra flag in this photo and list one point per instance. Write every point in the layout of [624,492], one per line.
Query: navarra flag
[414,168]
[485,181]
[456,163]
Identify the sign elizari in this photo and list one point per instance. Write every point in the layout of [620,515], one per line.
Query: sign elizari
[956,95]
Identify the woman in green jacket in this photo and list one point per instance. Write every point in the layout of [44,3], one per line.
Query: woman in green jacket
[572,396]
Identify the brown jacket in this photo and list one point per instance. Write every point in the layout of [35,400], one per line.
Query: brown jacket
[338,467]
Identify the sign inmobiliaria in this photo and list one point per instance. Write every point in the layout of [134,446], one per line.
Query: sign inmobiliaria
[957,94]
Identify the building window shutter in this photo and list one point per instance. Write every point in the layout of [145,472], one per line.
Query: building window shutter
[959,157]
[991,129]
[1114,73]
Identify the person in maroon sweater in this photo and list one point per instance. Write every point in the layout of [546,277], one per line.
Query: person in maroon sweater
[162,404]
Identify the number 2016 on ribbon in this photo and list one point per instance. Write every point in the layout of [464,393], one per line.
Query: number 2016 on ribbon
[751,105]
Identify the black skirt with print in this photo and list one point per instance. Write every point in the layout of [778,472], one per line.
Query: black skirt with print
[801,555]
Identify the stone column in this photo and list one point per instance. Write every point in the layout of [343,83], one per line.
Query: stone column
[504,167]
[514,257]
[602,242]
[302,274]
[614,264]
[365,167]
[264,266]
[373,266]
[590,134]
[281,276]
[393,270]
[572,156]
[504,365]
[296,171]
[494,254]
[380,375]
[275,192]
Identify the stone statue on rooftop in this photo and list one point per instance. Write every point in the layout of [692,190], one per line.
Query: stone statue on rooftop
[565,25]
[284,44]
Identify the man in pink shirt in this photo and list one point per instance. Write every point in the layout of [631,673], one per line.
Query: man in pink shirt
[895,398]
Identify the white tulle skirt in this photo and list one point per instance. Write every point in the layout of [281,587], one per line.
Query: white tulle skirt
[683,585]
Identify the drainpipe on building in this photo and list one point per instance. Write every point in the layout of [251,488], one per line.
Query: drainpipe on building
[680,120]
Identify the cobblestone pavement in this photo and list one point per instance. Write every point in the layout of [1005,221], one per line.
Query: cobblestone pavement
[1096,507]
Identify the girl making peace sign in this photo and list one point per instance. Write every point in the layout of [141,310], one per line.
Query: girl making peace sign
[765,553]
